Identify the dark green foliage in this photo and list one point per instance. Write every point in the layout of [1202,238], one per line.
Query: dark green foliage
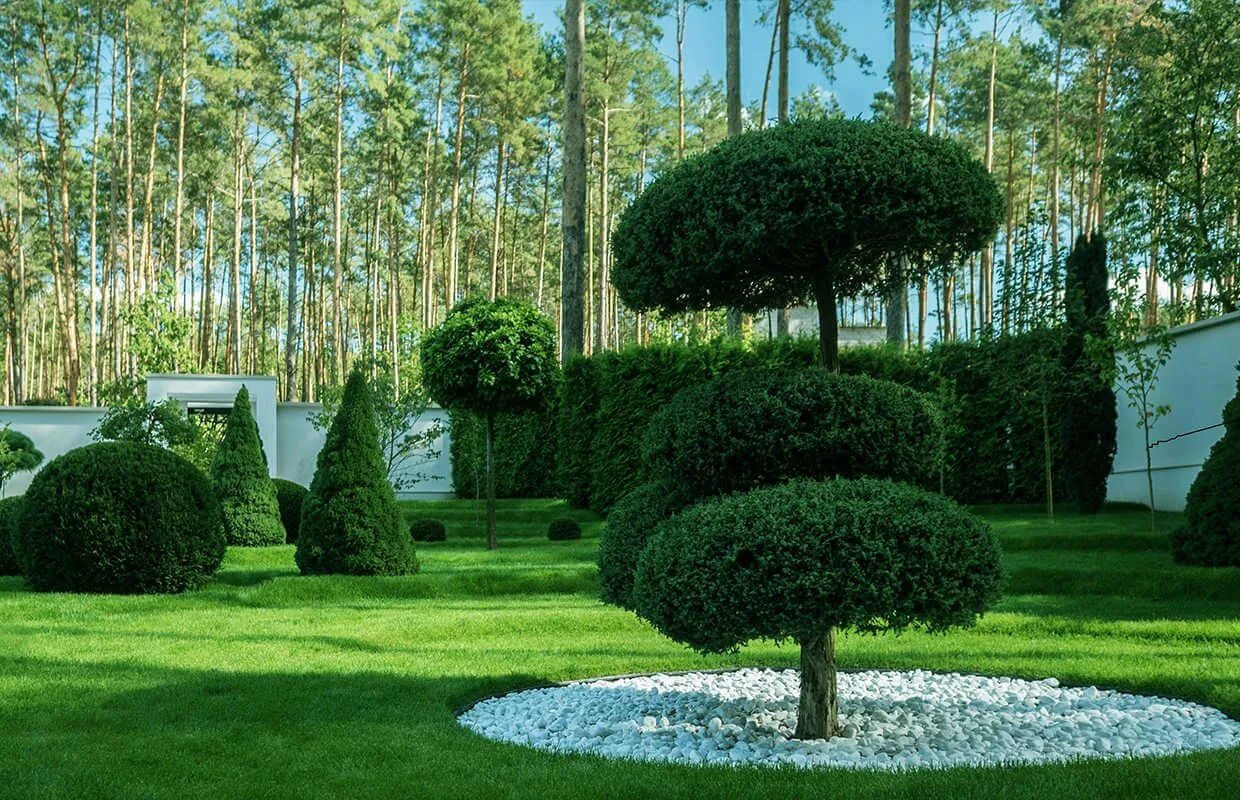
[290,496]
[350,523]
[119,517]
[793,560]
[562,529]
[489,357]
[809,208]
[10,507]
[425,529]
[1088,413]
[757,427]
[1210,535]
[574,431]
[242,485]
[629,526]
[524,454]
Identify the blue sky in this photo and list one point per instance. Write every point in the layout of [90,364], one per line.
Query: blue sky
[866,29]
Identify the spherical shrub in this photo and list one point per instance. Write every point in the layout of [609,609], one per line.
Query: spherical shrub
[289,496]
[242,483]
[425,529]
[119,517]
[563,529]
[758,427]
[1210,535]
[804,558]
[629,526]
[9,509]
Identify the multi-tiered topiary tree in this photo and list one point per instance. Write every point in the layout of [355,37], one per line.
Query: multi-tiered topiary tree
[1210,535]
[242,483]
[491,357]
[17,454]
[350,523]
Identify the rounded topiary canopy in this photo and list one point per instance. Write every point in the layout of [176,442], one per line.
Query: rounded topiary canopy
[801,559]
[808,209]
[757,427]
[629,526]
[119,517]
[242,484]
[350,523]
[1210,535]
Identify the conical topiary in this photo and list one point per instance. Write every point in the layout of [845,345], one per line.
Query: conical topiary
[349,521]
[1210,535]
[239,475]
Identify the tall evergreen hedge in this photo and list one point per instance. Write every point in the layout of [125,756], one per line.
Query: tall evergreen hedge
[241,482]
[350,523]
[524,454]
[1210,535]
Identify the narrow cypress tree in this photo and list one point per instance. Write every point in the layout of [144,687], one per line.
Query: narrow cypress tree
[350,523]
[239,476]
[1088,415]
[1210,535]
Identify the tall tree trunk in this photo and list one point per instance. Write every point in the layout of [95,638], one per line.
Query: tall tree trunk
[1056,123]
[92,253]
[18,350]
[291,338]
[572,266]
[736,319]
[454,208]
[828,325]
[233,347]
[148,193]
[498,214]
[182,101]
[604,202]
[338,338]
[682,9]
[784,19]
[818,711]
[546,214]
[985,280]
[902,85]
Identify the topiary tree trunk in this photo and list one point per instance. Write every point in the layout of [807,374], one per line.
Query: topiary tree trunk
[818,712]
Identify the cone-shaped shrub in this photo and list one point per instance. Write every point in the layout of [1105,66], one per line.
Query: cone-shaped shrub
[349,521]
[239,476]
[9,509]
[1210,535]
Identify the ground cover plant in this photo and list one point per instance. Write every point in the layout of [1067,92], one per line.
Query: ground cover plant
[351,684]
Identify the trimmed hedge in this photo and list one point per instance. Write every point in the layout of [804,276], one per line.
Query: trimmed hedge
[426,529]
[524,454]
[119,517]
[574,430]
[242,483]
[758,427]
[563,529]
[1210,535]
[10,507]
[290,496]
[629,526]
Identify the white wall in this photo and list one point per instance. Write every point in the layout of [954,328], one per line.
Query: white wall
[55,431]
[1196,383]
[219,391]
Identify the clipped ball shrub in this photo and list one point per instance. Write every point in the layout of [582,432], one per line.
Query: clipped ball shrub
[241,481]
[802,559]
[1210,535]
[629,526]
[563,529]
[119,517]
[350,523]
[425,529]
[289,496]
[10,507]
[758,427]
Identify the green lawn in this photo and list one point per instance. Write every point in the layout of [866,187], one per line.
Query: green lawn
[266,684]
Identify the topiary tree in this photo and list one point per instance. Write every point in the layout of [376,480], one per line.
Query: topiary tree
[242,484]
[812,208]
[289,496]
[119,517]
[1087,424]
[17,454]
[629,526]
[804,559]
[350,523]
[10,507]
[490,357]
[1210,535]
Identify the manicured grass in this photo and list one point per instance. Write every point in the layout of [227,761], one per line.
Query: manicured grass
[266,684]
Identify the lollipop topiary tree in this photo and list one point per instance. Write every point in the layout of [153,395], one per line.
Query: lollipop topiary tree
[242,485]
[490,357]
[810,209]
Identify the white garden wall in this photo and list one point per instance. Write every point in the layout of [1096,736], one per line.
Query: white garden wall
[289,439]
[1196,383]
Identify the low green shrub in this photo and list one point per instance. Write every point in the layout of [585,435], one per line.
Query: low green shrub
[425,529]
[10,507]
[119,517]
[289,496]
[562,529]
[1210,535]
[629,526]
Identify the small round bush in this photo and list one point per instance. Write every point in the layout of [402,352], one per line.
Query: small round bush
[119,517]
[1210,535]
[10,507]
[629,526]
[289,496]
[425,529]
[758,427]
[563,529]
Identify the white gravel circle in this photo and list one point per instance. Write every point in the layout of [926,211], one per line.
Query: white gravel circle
[891,720]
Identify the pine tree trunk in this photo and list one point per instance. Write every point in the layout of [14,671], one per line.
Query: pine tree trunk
[818,711]
[572,266]
[294,192]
